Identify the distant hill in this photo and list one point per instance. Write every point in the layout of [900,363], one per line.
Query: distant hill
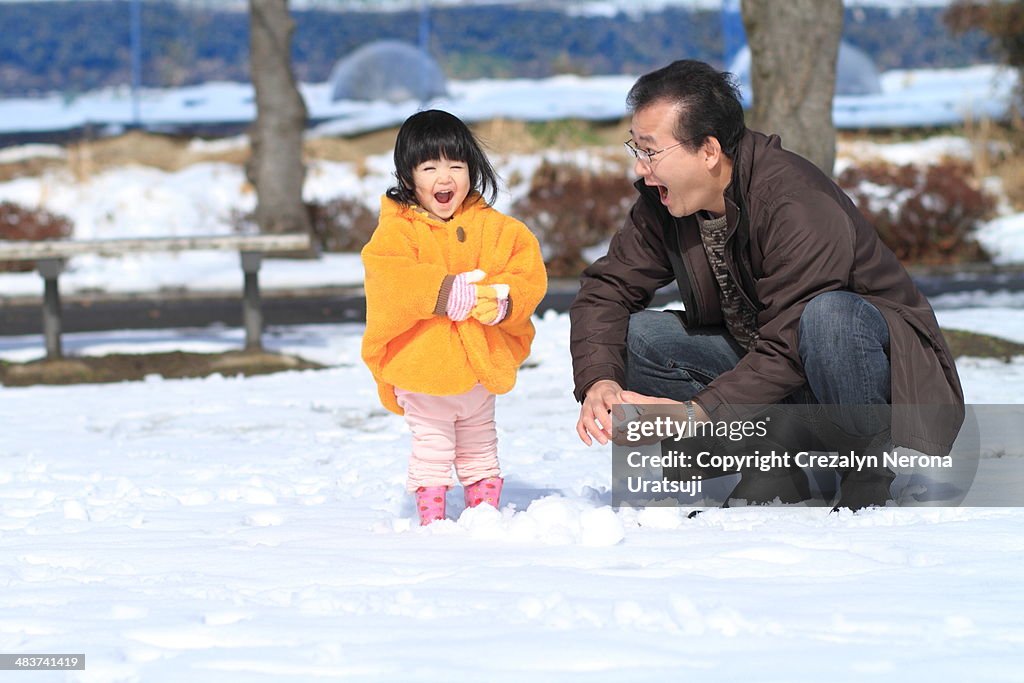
[73,47]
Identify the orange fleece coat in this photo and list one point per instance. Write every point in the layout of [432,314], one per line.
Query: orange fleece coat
[408,343]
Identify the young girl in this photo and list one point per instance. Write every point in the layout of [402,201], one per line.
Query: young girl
[450,288]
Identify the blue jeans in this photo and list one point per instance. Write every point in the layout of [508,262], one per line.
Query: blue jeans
[843,344]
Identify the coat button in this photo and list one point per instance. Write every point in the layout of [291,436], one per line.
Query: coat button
[461,234]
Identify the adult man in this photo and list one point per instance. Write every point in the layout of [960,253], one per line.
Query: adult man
[789,294]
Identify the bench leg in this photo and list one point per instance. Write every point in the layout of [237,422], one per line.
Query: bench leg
[252,314]
[50,270]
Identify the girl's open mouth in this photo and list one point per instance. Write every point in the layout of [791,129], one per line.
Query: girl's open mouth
[443,197]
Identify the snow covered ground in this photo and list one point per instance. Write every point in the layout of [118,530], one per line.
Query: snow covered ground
[229,529]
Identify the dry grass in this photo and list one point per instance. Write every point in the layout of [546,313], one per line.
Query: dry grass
[353,149]
[1011,173]
[504,136]
[165,152]
[975,345]
[27,168]
[170,153]
[136,367]
[999,151]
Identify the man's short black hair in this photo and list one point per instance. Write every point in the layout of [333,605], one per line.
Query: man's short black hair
[436,134]
[707,102]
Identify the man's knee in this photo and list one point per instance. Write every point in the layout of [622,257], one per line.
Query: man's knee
[657,350]
[833,320]
[650,331]
[843,347]
[825,316]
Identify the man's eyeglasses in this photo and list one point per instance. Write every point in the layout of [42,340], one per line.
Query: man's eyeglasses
[646,157]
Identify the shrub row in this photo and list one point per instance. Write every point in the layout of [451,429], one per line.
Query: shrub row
[925,214]
[341,224]
[570,209]
[20,223]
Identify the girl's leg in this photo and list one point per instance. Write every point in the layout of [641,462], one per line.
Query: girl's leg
[476,438]
[431,420]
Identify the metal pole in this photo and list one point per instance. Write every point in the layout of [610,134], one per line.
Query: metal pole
[252,315]
[50,270]
[424,28]
[136,40]
[424,41]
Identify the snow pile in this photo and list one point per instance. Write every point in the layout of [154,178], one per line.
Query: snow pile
[551,520]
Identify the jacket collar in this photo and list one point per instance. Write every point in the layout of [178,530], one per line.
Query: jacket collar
[753,146]
[473,204]
[742,170]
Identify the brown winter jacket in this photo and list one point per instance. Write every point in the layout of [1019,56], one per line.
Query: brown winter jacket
[793,234]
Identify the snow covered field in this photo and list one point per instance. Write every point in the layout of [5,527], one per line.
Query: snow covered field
[229,529]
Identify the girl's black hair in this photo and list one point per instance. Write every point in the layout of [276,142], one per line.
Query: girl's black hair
[435,134]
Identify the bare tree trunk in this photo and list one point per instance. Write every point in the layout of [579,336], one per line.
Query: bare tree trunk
[794,47]
[275,167]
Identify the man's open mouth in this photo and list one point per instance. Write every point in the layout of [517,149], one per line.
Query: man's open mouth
[443,197]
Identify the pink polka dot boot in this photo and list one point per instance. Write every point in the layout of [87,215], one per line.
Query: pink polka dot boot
[484,491]
[430,503]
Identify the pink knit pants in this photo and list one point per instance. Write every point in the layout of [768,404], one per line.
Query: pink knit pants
[449,430]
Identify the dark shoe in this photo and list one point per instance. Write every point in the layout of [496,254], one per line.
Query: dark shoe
[762,488]
[864,489]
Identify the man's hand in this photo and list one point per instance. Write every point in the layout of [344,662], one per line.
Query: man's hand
[595,413]
[631,397]
[651,408]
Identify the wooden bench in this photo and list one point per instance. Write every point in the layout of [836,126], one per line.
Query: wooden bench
[51,257]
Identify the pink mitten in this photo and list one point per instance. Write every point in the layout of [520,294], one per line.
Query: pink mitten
[462,296]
